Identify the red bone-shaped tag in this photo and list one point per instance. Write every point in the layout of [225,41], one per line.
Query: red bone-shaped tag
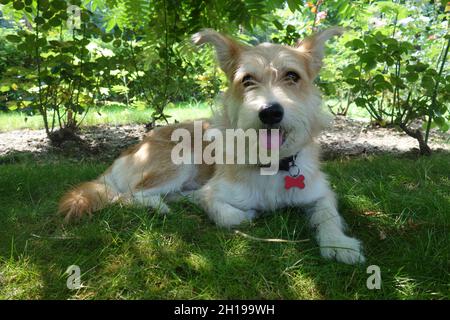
[297,182]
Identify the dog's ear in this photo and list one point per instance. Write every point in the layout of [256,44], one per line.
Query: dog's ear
[227,49]
[314,46]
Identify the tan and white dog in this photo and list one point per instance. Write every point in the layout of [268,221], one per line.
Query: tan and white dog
[270,86]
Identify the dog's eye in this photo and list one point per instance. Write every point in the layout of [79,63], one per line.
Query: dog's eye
[292,76]
[247,81]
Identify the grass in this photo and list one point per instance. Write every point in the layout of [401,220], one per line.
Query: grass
[112,115]
[354,112]
[398,206]
[116,114]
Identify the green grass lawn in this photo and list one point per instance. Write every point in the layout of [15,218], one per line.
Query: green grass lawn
[398,206]
[112,115]
[116,114]
[354,112]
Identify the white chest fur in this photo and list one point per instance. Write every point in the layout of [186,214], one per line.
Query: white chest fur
[249,190]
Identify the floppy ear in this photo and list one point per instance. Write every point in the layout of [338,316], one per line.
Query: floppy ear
[227,49]
[314,46]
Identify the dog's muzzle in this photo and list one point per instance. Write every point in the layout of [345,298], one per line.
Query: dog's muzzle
[271,113]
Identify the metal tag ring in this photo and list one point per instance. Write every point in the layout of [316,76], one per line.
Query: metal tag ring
[294,171]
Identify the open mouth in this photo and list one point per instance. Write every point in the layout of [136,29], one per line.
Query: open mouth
[271,139]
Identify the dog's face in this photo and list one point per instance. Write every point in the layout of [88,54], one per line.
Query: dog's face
[271,86]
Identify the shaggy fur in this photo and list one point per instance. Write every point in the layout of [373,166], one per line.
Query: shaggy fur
[232,194]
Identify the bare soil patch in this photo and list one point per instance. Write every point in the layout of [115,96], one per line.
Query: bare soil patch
[345,137]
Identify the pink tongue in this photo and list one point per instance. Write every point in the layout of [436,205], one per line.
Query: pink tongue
[270,139]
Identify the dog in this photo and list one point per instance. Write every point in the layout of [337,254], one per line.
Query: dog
[270,86]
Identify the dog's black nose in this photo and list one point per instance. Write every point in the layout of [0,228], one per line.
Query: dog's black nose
[271,113]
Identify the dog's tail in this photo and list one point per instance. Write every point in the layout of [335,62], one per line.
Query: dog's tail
[85,199]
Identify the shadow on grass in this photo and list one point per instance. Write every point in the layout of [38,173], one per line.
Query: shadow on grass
[397,206]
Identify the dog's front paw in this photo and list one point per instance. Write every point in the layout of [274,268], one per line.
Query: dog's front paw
[162,209]
[344,249]
[228,216]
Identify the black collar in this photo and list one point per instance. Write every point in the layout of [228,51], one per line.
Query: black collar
[286,163]
[283,165]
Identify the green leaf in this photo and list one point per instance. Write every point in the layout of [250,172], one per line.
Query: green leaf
[412,77]
[12,106]
[63,16]
[107,38]
[352,81]
[85,17]
[24,47]
[277,24]
[350,71]
[39,20]
[84,42]
[389,61]
[432,73]
[117,33]
[41,42]
[440,121]
[392,48]
[370,64]
[406,46]
[293,5]
[55,43]
[48,14]
[395,80]
[117,43]
[59,4]
[380,36]
[290,28]
[355,44]
[367,57]
[18,5]
[43,4]
[55,22]
[360,102]
[428,83]
[13,38]
[390,42]
[375,48]
[111,24]
[420,67]
[378,78]
[445,127]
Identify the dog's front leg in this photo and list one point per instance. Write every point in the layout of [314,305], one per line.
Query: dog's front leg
[226,215]
[330,235]
[223,213]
